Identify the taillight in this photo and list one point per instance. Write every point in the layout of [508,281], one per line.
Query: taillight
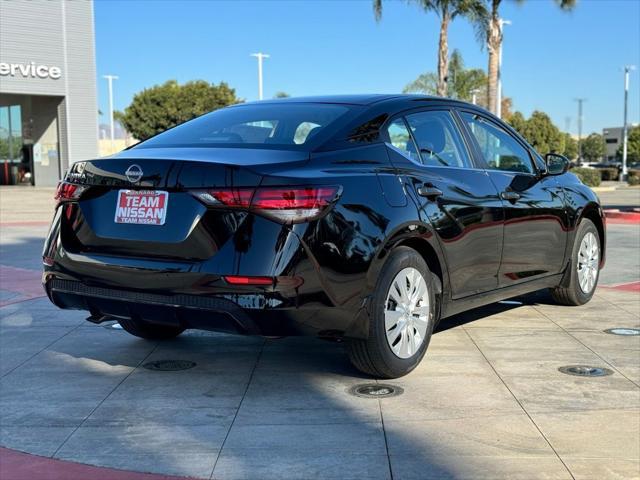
[68,192]
[243,280]
[276,282]
[284,204]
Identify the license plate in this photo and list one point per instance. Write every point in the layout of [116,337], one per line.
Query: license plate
[146,207]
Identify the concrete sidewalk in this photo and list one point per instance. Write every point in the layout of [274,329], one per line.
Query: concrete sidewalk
[487,402]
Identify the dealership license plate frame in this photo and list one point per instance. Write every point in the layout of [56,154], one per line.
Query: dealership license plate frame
[153,218]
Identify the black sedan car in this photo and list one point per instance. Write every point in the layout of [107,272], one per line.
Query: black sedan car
[363,218]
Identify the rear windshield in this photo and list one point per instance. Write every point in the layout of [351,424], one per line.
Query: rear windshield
[281,125]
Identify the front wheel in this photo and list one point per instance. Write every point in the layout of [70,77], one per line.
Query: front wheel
[584,268]
[401,318]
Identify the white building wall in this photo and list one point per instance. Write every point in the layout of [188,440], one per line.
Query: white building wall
[55,33]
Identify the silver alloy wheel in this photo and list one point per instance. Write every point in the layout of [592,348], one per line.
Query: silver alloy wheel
[588,262]
[406,312]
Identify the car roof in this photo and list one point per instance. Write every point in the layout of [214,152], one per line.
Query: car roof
[393,102]
[356,99]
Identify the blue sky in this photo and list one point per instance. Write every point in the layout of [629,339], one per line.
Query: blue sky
[323,47]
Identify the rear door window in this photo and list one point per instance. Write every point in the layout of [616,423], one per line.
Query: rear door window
[401,140]
[438,139]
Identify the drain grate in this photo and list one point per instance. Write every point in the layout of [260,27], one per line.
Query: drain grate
[623,331]
[376,390]
[585,371]
[169,365]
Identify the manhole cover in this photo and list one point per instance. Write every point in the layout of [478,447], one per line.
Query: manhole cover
[623,331]
[169,365]
[585,371]
[376,390]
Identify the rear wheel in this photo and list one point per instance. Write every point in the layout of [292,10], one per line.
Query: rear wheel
[585,267]
[401,318]
[150,331]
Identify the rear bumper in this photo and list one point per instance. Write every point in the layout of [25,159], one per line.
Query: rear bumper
[247,314]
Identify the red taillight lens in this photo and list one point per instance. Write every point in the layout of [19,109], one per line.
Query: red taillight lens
[284,204]
[280,282]
[233,197]
[241,280]
[293,198]
[67,192]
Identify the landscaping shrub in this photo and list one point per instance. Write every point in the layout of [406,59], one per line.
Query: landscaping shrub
[608,174]
[633,177]
[588,176]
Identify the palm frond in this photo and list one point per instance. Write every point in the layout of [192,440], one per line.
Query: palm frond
[377,9]
[567,4]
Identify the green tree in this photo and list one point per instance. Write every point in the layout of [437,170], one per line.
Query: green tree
[519,123]
[541,133]
[592,147]
[633,146]
[493,35]
[570,147]
[447,10]
[462,81]
[281,95]
[164,106]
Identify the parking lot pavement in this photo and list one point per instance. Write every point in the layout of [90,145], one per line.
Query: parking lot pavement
[488,400]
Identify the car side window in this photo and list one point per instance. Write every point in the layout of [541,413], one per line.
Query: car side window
[500,150]
[438,139]
[401,138]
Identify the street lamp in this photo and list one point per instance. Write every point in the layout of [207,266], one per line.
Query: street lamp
[625,126]
[260,56]
[474,94]
[580,102]
[501,23]
[110,79]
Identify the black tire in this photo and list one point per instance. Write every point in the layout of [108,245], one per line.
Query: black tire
[374,355]
[149,331]
[572,294]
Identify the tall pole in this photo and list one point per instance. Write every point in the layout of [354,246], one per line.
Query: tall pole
[580,102]
[260,56]
[474,95]
[625,126]
[501,23]
[110,79]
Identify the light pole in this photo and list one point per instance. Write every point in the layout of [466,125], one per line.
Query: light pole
[501,23]
[110,79]
[625,127]
[474,97]
[580,102]
[260,56]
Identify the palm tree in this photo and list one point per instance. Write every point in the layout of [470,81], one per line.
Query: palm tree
[494,44]
[462,82]
[447,11]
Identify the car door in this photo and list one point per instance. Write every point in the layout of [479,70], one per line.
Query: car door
[535,217]
[457,198]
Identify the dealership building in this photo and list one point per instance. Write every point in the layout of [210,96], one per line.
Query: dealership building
[48,104]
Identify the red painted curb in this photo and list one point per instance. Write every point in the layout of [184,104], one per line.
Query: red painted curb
[625,287]
[26,283]
[16,465]
[33,223]
[618,216]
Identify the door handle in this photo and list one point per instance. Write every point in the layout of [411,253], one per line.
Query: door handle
[429,191]
[510,195]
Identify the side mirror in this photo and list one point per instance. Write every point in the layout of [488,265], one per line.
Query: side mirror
[556,164]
